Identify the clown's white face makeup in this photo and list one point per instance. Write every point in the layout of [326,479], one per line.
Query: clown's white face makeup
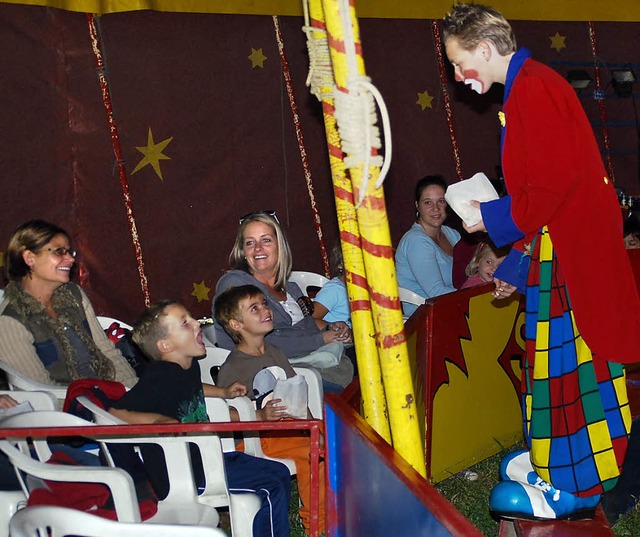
[476,85]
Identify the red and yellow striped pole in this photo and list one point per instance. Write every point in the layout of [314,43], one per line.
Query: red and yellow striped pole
[373,399]
[348,63]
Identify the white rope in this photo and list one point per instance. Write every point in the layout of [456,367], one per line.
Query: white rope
[386,131]
[356,116]
[320,69]
[355,110]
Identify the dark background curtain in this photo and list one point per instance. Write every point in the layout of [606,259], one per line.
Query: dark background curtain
[233,148]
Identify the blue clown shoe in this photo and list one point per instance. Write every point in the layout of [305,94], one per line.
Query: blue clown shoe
[516,466]
[513,500]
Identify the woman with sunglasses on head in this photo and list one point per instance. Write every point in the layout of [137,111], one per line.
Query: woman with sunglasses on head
[48,329]
[261,256]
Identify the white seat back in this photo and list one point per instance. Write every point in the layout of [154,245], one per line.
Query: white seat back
[316,392]
[39,400]
[307,279]
[17,381]
[208,331]
[181,506]
[215,357]
[246,410]
[410,297]
[10,502]
[106,322]
[119,482]
[242,507]
[314,385]
[62,522]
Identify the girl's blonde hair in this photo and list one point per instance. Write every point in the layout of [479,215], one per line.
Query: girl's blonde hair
[482,249]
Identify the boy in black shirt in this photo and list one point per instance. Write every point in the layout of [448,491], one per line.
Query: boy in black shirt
[170,391]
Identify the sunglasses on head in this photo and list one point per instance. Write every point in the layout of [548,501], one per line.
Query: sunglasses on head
[249,216]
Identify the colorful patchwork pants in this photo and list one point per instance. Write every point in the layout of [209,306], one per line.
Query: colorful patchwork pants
[576,412]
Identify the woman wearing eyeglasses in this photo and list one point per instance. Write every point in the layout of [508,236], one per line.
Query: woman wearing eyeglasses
[48,329]
[261,256]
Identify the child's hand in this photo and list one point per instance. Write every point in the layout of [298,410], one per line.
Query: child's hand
[237,389]
[338,331]
[503,289]
[6,401]
[272,411]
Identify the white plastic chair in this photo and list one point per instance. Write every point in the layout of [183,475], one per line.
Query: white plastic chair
[39,400]
[119,482]
[208,331]
[17,381]
[11,500]
[242,507]
[314,385]
[106,322]
[216,356]
[181,506]
[307,279]
[316,392]
[246,409]
[44,520]
[410,297]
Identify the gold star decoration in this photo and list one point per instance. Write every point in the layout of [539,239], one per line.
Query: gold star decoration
[153,154]
[257,58]
[201,291]
[557,42]
[424,99]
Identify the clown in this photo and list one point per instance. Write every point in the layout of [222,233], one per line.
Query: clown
[579,333]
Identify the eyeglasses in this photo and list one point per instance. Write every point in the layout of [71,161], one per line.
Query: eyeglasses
[62,251]
[249,216]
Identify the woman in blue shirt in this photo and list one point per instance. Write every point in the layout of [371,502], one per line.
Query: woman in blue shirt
[424,257]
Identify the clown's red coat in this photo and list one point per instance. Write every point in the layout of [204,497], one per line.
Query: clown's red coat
[555,177]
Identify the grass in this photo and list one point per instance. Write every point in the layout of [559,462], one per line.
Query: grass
[295,523]
[471,498]
[628,525]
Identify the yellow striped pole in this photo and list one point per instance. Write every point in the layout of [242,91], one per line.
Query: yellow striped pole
[373,399]
[348,64]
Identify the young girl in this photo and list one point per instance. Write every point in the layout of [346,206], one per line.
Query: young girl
[631,233]
[332,303]
[483,264]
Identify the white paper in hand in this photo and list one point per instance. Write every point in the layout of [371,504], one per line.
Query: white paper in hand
[294,393]
[459,196]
